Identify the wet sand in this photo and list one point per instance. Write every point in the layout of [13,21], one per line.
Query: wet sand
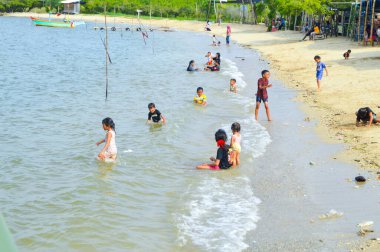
[295,193]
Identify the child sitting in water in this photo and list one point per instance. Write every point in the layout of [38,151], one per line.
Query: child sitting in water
[235,144]
[221,160]
[200,98]
[346,55]
[109,150]
[155,115]
[209,59]
[233,86]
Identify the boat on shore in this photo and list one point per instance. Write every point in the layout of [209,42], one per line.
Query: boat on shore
[56,24]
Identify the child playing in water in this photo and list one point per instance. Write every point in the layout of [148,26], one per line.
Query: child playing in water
[320,67]
[155,115]
[109,150]
[235,144]
[221,160]
[262,94]
[233,86]
[209,59]
[200,98]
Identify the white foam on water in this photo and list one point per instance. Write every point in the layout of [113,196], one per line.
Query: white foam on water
[232,71]
[254,137]
[220,212]
[128,151]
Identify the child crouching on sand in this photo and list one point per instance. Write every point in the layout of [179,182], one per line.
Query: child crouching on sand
[235,144]
[109,150]
[221,161]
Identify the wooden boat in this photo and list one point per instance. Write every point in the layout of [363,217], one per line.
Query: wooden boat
[47,23]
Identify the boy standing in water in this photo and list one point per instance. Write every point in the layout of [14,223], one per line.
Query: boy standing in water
[154,115]
[262,94]
[320,67]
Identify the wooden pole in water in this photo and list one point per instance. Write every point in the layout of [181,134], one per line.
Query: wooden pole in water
[360,18]
[365,22]
[106,42]
[373,21]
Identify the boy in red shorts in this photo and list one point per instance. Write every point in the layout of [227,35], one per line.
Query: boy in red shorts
[262,94]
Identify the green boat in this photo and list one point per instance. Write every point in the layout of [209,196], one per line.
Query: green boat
[6,241]
[47,23]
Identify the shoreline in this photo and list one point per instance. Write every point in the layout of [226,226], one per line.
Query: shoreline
[314,105]
[336,121]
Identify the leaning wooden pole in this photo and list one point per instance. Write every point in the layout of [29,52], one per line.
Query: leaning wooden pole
[360,18]
[106,43]
[373,21]
[365,23]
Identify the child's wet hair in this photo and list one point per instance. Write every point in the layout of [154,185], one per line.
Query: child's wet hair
[235,127]
[317,57]
[349,51]
[220,135]
[109,123]
[234,80]
[199,89]
[264,72]
[151,105]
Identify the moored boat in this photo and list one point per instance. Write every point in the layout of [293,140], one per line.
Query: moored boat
[47,23]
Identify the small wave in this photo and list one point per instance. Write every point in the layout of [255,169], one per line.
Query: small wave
[219,213]
[232,71]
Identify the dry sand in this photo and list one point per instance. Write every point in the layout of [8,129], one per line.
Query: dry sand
[351,84]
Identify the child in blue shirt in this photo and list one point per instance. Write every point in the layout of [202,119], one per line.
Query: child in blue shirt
[320,67]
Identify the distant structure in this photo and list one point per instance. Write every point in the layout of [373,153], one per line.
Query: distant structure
[71,6]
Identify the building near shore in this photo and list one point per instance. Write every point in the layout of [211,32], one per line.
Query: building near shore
[71,6]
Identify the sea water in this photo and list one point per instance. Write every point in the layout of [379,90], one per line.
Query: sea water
[57,197]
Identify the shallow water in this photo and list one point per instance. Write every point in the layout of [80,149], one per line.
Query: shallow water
[54,194]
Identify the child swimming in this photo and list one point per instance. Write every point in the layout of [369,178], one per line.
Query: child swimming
[235,144]
[109,150]
[233,86]
[200,98]
[221,160]
[155,115]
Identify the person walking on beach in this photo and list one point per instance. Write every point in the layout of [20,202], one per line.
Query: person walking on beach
[228,36]
[109,150]
[367,116]
[320,67]
[262,94]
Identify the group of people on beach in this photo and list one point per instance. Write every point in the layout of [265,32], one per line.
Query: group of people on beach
[212,64]
[228,155]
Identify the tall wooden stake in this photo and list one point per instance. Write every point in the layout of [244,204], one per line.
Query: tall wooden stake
[106,42]
[365,22]
[360,18]
[373,21]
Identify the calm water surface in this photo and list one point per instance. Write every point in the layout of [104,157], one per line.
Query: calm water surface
[54,194]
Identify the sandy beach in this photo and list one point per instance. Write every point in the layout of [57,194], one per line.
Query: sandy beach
[351,84]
